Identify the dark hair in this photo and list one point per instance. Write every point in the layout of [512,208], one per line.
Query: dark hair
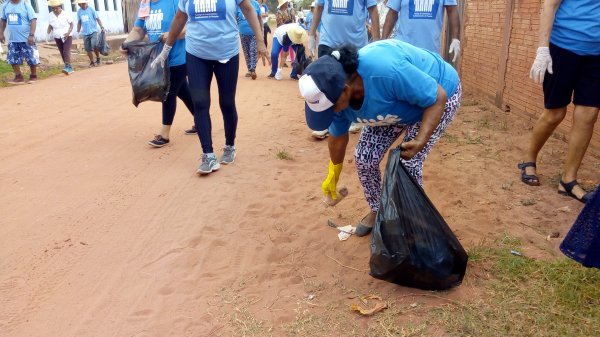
[348,58]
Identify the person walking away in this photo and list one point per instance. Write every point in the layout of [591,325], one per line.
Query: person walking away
[419,22]
[284,37]
[387,85]
[155,23]
[212,47]
[19,17]
[343,23]
[87,24]
[567,63]
[248,40]
[60,25]
[264,13]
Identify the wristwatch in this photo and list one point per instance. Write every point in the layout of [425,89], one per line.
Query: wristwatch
[31,35]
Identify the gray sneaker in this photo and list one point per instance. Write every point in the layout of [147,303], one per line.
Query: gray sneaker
[209,164]
[228,156]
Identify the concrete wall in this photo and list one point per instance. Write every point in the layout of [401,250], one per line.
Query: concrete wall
[111,16]
[499,45]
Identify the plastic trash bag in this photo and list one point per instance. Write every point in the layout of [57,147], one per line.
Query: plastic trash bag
[582,243]
[148,84]
[102,46]
[411,244]
[302,61]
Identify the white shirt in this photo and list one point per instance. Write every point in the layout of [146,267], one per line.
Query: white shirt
[282,30]
[60,25]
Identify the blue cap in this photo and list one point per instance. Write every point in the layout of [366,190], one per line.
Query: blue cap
[321,86]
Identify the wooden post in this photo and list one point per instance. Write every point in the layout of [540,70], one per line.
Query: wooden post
[503,60]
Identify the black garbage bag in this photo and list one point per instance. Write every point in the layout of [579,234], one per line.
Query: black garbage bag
[411,244]
[148,84]
[102,46]
[582,243]
[302,61]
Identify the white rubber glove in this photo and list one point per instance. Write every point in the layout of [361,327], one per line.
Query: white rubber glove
[455,49]
[543,62]
[312,43]
[162,57]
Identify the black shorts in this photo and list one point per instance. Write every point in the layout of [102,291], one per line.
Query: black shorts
[574,76]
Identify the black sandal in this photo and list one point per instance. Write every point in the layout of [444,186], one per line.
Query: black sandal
[569,191]
[529,179]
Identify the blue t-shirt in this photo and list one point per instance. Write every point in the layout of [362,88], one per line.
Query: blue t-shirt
[243,24]
[87,17]
[162,13]
[18,20]
[212,31]
[400,81]
[344,22]
[420,21]
[308,20]
[577,26]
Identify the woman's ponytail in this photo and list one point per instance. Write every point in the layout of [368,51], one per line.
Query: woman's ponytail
[347,55]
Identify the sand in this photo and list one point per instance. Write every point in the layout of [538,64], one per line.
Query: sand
[101,235]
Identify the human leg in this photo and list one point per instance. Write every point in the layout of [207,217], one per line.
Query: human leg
[226,75]
[245,40]
[275,49]
[60,44]
[200,73]
[253,54]
[415,164]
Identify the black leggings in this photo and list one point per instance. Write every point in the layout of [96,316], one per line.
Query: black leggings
[200,76]
[179,88]
[266,30]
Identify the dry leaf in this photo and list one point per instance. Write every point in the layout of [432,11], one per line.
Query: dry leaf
[368,312]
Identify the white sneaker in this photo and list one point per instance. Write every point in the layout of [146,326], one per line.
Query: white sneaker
[320,134]
[354,128]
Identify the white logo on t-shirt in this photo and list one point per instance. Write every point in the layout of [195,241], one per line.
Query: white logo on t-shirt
[85,18]
[380,121]
[339,4]
[205,6]
[424,6]
[154,21]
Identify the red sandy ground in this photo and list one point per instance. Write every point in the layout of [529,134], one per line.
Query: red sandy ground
[101,235]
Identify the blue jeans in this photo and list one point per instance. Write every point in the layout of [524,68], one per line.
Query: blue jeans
[275,50]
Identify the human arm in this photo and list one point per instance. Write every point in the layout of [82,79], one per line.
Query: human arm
[429,122]
[374,14]
[49,30]
[2,28]
[454,23]
[316,20]
[78,26]
[99,21]
[136,34]
[176,28]
[181,35]
[32,26]
[390,22]
[68,33]
[543,60]
[250,14]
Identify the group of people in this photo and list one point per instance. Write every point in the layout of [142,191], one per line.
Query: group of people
[396,89]
[21,20]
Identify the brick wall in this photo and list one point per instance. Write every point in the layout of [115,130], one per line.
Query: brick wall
[497,40]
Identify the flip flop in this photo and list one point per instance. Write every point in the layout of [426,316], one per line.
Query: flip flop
[362,230]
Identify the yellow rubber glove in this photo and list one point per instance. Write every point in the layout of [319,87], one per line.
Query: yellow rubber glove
[330,183]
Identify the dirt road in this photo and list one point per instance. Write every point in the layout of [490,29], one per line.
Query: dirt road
[101,235]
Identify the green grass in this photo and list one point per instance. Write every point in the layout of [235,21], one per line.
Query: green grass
[283,155]
[526,297]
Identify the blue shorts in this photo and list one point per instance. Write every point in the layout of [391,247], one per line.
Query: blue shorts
[19,51]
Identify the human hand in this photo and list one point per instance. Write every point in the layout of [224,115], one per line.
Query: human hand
[262,52]
[123,51]
[102,29]
[542,63]
[329,185]
[312,43]
[411,148]
[2,39]
[454,49]
[30,41]
[162,57]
